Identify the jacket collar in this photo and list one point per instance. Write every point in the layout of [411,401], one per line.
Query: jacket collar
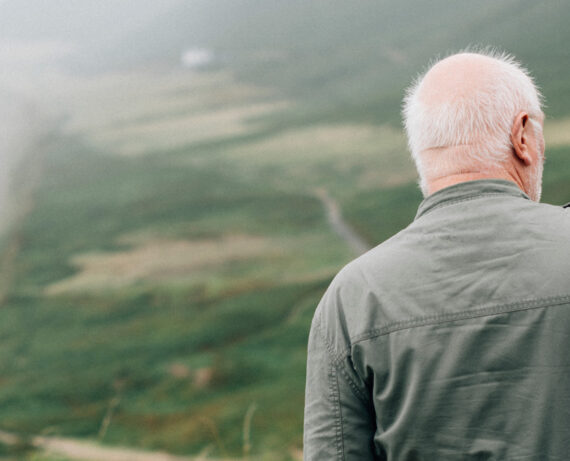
[467,191]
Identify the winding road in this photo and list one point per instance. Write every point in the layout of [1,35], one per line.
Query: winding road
[334,216]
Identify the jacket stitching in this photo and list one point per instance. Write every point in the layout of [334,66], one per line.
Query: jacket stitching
[453,316]
[335,399]
[350,381]
[338,411]
[336,362]
[334,392]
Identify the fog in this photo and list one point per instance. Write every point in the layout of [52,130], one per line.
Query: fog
[42,45]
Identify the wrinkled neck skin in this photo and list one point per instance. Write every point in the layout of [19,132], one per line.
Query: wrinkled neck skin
[440,183]
[511,170]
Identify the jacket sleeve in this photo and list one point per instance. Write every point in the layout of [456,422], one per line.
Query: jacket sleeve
[339,419]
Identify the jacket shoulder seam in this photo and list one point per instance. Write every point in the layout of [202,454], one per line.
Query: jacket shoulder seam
[483,311]
[333,388]
[335,398]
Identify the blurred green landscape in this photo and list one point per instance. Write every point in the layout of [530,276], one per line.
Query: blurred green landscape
[158,285]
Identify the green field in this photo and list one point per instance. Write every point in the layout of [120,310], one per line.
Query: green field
[158,291]
[180,283]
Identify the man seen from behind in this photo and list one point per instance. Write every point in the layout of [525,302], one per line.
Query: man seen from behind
[450,340]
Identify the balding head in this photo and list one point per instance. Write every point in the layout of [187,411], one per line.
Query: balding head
[454,79]
[459,115]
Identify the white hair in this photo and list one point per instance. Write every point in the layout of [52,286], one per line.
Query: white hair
[478,122]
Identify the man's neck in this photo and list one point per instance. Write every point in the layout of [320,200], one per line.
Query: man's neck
[446,181]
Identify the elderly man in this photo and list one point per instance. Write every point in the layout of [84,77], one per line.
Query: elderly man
[450,340]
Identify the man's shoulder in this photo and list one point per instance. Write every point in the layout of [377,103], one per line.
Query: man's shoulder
[387,278]
[380,265]
[353,294]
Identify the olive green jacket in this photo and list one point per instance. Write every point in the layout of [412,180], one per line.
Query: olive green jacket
[449,341]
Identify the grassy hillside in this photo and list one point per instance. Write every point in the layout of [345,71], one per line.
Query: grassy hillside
[179,283]
[170,289]
[159,292]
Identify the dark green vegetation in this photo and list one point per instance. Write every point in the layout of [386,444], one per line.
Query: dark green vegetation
[186,360]
[556,184]
[174,356]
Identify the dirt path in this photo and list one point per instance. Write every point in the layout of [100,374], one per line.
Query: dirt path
[357,244]
[89,451]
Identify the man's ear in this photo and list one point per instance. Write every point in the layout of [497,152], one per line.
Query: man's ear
[519,139]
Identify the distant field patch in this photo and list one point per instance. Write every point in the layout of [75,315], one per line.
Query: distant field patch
[373,154]
[171,132]
[95,102]
[322,142]
[132,112]
[157,260]
[557,133]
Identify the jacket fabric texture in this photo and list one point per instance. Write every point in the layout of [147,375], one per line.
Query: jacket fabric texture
[449,341]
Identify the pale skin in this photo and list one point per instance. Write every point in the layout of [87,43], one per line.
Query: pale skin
[459,74]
